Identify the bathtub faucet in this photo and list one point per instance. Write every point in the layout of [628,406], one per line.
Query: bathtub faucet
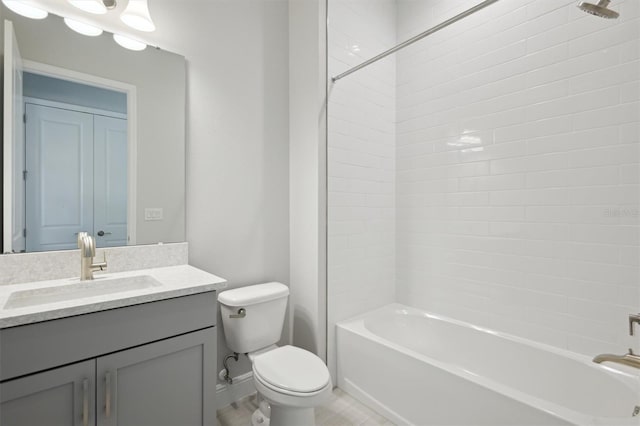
[630,359]
[633,319]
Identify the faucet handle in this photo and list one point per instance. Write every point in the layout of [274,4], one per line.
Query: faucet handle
[633,318]
[103,264]
[100,265]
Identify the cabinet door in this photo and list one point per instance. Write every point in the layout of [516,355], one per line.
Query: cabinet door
[64,396]
[167,383]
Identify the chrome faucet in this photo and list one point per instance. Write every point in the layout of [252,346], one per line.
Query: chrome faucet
[87,246]
[633,319]
[630,359]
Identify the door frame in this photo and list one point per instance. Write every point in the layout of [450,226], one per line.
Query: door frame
[71,107]
[132,125]
[12,61]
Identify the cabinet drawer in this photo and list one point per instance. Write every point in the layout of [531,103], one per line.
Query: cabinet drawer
[35,347]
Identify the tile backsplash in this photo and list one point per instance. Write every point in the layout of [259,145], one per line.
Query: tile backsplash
[27,267]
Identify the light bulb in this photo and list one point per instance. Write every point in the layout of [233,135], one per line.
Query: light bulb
[129,43]
[25,9]
[92,6]
[82,28]
[136,15]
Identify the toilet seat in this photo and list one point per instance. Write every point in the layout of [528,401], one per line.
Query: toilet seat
[291,371]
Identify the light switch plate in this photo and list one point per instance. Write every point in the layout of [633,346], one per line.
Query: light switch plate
[155,213]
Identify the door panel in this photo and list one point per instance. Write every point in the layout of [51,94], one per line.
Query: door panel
[60,177]
[110,181]
[61,397]
[168,383]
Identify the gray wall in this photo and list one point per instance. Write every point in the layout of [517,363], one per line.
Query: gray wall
[161,110]
[308,91]
[237,135]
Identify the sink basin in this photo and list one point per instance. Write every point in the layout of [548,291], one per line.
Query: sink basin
[80,290]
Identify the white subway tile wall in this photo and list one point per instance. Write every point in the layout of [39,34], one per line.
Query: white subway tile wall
[517,197]
[491,171]
[361,161]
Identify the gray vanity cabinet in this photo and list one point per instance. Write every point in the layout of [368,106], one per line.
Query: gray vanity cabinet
[151,364]
[63,396]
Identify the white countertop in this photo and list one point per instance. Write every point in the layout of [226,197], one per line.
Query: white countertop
[175,281]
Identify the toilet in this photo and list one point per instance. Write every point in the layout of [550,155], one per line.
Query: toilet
[292,380]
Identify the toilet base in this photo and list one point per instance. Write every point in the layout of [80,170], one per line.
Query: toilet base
[292,410]
[258,418]
[292,416]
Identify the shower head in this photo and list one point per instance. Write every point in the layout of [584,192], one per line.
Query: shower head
[599,9]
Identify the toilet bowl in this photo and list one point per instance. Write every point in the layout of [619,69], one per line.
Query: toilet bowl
[292,380]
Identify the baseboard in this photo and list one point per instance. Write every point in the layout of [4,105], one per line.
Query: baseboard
[355,391]
[242,387]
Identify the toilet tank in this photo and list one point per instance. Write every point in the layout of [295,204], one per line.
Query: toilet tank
[260,325]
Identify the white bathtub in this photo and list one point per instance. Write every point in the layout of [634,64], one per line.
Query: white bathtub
[422,369]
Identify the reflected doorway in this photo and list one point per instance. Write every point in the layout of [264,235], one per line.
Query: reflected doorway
[75,175]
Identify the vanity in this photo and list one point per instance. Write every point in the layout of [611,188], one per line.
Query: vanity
[128,348]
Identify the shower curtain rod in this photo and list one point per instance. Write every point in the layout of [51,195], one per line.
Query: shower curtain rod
[412,40]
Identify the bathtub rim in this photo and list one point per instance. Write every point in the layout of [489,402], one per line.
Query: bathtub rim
[356,325]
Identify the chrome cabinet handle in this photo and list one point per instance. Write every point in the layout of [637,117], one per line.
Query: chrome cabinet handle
[107,394]
[85,402]
[241,314]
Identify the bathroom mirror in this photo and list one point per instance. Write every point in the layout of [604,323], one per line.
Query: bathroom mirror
[135,193]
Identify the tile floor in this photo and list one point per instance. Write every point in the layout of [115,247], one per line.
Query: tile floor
[340,410]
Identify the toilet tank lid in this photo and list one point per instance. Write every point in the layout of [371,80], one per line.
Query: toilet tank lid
[252,294]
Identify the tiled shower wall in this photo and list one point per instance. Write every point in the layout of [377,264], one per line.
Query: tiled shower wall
[361,161]
[517,169]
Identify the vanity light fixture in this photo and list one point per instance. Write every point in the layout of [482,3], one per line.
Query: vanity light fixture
[129,43]
[136,15]
[24,8]
[96,7]
[82,28]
